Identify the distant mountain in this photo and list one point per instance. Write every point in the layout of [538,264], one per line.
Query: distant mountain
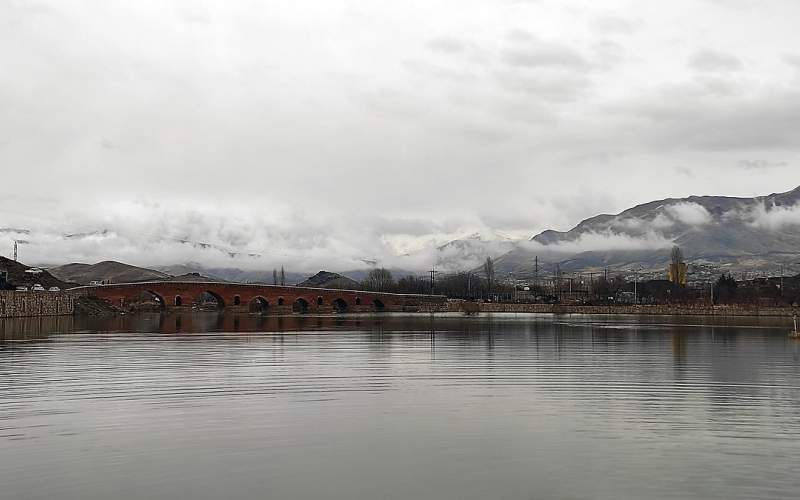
[471,251]
[194,277]
[754,233]
[111,271]
[327,279]
[188,270]
[232,274]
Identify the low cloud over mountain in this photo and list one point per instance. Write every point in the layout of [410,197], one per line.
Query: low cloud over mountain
[757,232]
[763,232]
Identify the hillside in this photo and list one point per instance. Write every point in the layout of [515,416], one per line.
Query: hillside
[18,277]
[327,279]
[109,271]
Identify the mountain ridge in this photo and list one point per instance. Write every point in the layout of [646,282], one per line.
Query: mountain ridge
[107,270]
[756,232]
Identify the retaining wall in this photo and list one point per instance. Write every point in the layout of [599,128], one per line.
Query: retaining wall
[15,304]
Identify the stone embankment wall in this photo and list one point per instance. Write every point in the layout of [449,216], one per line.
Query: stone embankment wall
[20,304]
[674,309]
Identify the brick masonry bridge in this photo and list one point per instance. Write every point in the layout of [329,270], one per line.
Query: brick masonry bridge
[255,298]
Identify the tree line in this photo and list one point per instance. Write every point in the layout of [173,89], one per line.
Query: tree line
[483,284]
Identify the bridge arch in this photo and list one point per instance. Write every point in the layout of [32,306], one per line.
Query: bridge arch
[339,305]
[281,301]
[178,300]
[237,300]
[358,301]
[258,305]
[300,305]
[210,298]
[150,295]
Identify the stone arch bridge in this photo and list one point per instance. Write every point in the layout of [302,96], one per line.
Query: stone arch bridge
[188,295]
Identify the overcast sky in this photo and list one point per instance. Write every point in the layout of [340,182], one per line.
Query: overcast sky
[318,133]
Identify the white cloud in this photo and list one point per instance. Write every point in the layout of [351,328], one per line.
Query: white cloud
[661,221]
[774,218]
[605,241]
[689,213]
[616,241]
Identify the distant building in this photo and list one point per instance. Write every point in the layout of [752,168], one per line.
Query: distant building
[625,298]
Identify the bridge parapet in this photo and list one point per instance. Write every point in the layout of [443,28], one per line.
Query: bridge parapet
[254,297]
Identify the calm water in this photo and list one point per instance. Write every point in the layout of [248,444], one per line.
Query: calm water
[208,406]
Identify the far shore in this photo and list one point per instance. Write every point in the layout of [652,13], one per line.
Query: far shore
[635,309]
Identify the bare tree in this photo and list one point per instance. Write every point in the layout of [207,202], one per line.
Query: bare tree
[488,270]
[412,284]
[379,280]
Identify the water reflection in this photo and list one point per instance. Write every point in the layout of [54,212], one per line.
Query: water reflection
[389,406]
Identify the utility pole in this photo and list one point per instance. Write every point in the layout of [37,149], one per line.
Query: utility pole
[711,286]
[433,279]
[569,296]
[15,250]
[558,281]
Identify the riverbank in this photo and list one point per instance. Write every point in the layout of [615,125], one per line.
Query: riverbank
[38,304]
[649,310]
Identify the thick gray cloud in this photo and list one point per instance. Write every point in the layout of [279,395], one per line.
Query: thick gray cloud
[714,61]
[447,44]
[531,52]
[319,134]
[615,25]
